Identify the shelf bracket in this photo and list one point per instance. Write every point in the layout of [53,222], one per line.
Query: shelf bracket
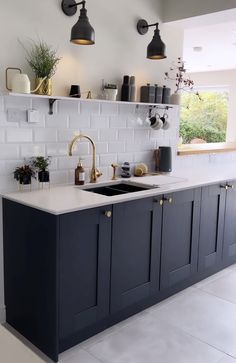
[51,102]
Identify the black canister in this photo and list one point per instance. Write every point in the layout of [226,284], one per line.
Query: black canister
[163,157]
[125,90]
[166,95]
[158,94]
[132,89]
[148,94]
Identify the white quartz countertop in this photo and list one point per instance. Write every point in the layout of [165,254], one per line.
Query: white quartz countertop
[69,198]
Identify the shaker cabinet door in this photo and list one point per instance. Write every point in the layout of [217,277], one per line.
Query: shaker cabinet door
[211,228]
[229,245]
[136,238]
[84,255]
[180,233]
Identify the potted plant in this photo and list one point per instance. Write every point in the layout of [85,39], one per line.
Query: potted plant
[43,60]
[41,164]
[23,174]
[178,74]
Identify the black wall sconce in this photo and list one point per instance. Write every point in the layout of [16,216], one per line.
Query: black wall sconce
[82,32]
[156,49]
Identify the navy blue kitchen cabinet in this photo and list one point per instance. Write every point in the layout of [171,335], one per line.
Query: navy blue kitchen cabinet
[70,276]
[84,274]
[211,228]
[136,244]
[229,244]
[180,235]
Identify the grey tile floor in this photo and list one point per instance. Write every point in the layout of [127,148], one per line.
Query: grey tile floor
[197,325]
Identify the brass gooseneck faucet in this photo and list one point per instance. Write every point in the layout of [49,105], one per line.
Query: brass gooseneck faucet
[95,173]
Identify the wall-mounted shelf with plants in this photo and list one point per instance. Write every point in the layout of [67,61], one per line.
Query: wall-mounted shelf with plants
[53,99]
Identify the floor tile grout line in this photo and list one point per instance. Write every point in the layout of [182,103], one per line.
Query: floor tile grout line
[219,297]
[92,355]
[200,340]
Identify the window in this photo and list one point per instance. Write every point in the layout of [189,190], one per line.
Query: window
[204,121]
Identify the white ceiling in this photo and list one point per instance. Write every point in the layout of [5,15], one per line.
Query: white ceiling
[218,42]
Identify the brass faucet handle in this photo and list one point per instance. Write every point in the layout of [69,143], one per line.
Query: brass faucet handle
[98,173]
[114,166]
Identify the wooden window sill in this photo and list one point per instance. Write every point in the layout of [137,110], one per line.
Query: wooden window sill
[194,149]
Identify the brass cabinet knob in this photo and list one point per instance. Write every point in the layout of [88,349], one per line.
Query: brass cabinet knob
[160,201]
[108,213]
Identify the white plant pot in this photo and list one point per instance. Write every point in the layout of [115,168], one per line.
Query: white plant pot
[175,99]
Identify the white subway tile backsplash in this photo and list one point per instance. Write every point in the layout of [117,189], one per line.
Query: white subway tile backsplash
[99,122]
[19,135]
[116,129]
[107,159]
[22,103]
[126,135]
[93,133]
[101,147]
[109,109]
[2,167]
[122,157]
[141,135]
[108,135]
[57,121]
[2,135]
[27,151]
[125,109]
[59,177]
[8,152]
[45,135]
[79,121]
[1,103]
[5,123]
[67,162]
[67,135]
[41,105]
[89,107]
[57,149]
[116,147]
[81,148]
[117,122]
[68,107]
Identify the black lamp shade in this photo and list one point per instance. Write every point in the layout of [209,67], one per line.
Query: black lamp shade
[82,32]
[156,49]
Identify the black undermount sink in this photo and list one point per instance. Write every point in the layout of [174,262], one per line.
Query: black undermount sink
[116,189]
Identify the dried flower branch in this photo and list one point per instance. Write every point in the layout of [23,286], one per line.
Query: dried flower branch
[182,81]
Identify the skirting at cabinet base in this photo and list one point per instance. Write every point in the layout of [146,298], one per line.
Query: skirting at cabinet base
[2,314]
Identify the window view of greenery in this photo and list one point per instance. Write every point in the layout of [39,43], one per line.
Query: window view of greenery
[204,120]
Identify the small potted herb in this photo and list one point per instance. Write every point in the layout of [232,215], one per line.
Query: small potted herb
[23,174]
[43,60]
[41,164]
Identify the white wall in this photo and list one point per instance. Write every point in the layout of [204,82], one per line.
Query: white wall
[221,78]
[119,49]
[181,9]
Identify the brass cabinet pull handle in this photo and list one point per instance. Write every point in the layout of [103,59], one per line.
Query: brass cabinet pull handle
[230,186]
[224,187]
[169,200]
[108,213]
